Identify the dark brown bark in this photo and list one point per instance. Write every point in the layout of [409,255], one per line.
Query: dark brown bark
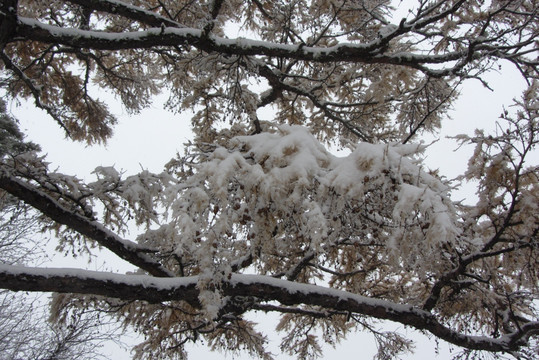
[74,281]
[368,53]
[130,12]
[153,290]
[8,21]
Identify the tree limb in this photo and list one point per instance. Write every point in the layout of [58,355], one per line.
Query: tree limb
[128,11]
[370,52]
[125,249]
[154,290]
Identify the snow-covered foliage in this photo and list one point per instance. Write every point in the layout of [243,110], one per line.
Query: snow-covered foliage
[282,200]
[257,214]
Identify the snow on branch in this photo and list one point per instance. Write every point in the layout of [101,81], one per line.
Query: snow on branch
[154,290]
[283,195]
[127,250]
[169,36]
[170,33]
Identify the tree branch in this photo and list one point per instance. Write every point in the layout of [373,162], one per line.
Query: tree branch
[127,250]
[355,53]
[154,290]
[124,287]
[128,11]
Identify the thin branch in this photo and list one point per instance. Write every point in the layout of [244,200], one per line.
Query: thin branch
[128,11]
[35,90]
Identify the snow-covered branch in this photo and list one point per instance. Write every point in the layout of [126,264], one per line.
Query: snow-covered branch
[155,37]
[263,288]
[127,250]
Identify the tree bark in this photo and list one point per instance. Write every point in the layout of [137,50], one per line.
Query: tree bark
[156,290]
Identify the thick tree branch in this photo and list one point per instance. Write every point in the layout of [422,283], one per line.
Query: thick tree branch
[31,29]
[125,287]
[154,290]
[127,250]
